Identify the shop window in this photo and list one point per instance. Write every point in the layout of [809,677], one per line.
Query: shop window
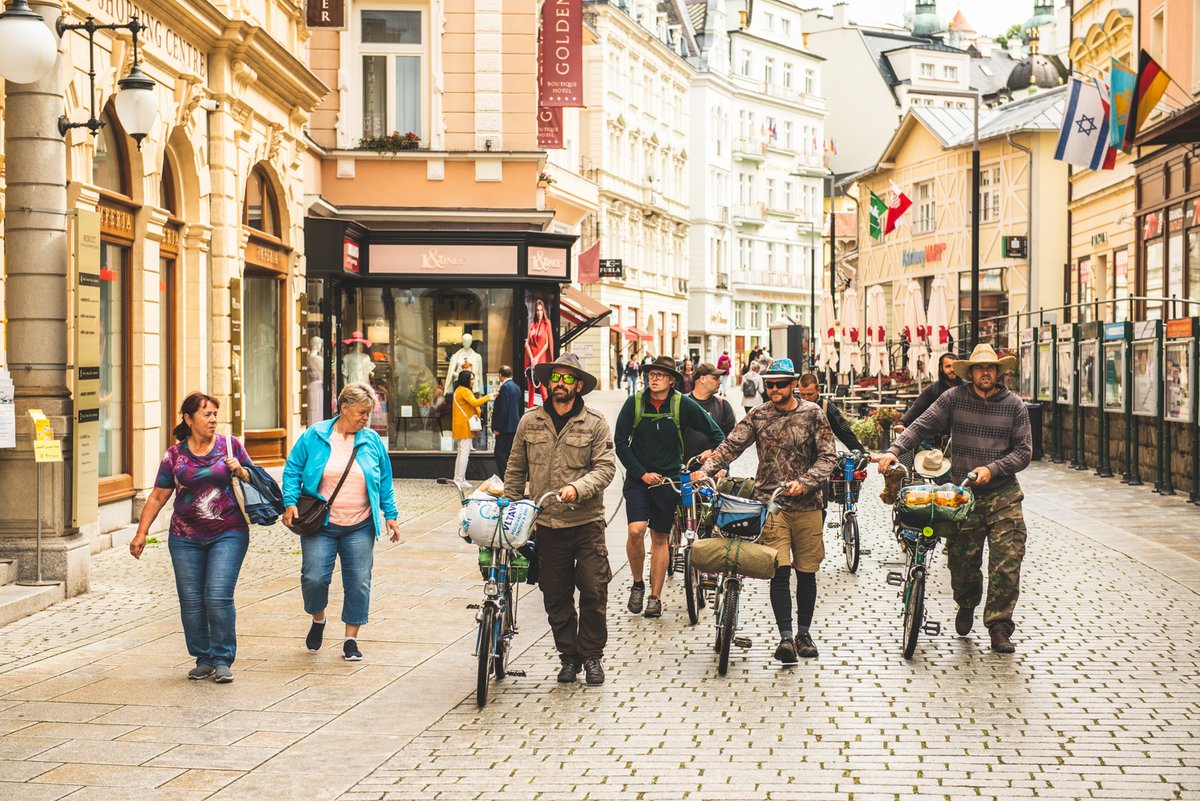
[261,350]
[392,86]
[314,375]
[114,372]
[1175,272]
[110,169]
[1120,284]
[261,211]
[1154,278]
[1193,269]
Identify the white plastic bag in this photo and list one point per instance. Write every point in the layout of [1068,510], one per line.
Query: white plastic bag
[478,521]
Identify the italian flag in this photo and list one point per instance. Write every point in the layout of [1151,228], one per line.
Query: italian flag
[1152,81]
[878,217]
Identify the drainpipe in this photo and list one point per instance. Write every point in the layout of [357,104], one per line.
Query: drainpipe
[1028,229]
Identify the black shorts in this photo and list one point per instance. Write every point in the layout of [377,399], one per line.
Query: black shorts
[654,504]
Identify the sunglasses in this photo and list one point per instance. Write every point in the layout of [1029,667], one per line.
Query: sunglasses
[566,378]
[777,384]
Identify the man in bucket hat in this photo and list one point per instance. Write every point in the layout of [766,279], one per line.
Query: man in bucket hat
[990,431]
[565,446]
[650,436]
[795,451]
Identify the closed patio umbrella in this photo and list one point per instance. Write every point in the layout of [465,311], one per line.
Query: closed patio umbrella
[877,355]
[828,356]
[939,317]
[918,331]
[852,333]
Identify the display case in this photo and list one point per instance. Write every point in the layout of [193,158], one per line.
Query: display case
[1065,390]
[1146,371]
[1114,349]
[1088,361]
[1025,365]
[1178,353]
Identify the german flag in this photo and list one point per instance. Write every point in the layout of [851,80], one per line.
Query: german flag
[1152,81]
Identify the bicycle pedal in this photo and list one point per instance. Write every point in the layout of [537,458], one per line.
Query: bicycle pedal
[518,673]
[932,628]
[473,606]
[895,579]
[864,551]
[743,642]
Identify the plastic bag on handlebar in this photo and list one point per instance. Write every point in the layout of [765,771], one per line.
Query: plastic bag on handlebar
[477,522]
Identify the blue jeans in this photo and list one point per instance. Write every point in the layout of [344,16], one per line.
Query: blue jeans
[356,547]
[205,575]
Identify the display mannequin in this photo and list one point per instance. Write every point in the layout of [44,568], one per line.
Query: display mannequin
[466,359]
[357,364]
[316,381]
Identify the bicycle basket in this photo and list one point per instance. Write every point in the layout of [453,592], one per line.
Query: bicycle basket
[742,518]
[478,522]
[838,490]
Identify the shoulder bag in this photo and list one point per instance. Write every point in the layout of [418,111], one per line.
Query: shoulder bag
[473,421]
[311,510]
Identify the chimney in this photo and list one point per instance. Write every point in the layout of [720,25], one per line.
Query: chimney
[984,45]
[1015,47]
[839,15]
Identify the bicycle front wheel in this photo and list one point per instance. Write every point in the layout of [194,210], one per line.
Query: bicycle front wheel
[487,632]
[914,611]
[673,544]
[850,541]
[729,610]
[691,586]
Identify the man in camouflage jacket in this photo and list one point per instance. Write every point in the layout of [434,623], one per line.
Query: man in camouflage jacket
[795,451]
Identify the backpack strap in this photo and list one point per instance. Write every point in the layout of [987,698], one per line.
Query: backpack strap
[677,417]
[637,409]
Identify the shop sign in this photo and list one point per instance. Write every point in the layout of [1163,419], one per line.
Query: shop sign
[157,36]
[1175,220]
[923,255]
[1179,328]
[266,255]
[1114,331]
[170,240]
[350,256]
[85,466]
[550,128]
[560,56]
[1016,247]
[444,261]
[989,281]
[116,221]
[326,14]
[1145,329]
[612,268]
[550,262]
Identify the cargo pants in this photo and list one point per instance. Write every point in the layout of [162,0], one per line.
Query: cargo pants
[570,559]
[998,520]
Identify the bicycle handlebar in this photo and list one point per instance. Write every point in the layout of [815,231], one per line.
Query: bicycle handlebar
[541,502]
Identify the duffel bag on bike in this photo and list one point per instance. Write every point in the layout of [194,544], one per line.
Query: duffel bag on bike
[478,521]
[721,555]
[740,517]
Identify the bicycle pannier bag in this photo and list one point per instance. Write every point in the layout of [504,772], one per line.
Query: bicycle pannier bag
[740,517]
[719,555]
[478,521]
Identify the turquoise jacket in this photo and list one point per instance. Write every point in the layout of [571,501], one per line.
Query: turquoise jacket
[306,464]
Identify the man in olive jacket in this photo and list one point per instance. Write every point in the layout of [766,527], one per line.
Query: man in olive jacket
[566,447]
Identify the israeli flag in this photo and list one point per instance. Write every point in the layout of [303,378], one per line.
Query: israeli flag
[1083,140]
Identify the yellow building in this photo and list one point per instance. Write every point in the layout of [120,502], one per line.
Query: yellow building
[1023,218]
[1103,231]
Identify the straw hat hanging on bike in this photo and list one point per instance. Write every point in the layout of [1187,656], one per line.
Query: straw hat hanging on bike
[932,464]
[570,361]
[983,354]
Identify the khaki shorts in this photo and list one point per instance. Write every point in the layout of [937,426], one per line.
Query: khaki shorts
[798,536]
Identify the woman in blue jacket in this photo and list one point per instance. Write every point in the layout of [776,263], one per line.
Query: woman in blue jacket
[361,510]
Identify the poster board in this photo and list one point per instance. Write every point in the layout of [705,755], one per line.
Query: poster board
[1025,365]
[1177,379]
[85,434]
[1065,390]
[1045,363]
[1146,371]
[1089,373]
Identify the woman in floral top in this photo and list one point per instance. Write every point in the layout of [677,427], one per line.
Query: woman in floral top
[209,533]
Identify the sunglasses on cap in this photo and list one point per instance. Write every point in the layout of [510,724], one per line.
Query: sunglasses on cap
[566,378]
[778,384]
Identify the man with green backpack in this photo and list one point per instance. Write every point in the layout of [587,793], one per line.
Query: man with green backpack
[649,436]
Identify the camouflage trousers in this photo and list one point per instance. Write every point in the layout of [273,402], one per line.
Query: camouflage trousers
[996,519]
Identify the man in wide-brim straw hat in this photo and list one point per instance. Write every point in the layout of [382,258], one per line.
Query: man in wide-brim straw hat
[990,431]
[565,446]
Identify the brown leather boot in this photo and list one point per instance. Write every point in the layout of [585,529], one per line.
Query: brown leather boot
[964,620]
[1001,643]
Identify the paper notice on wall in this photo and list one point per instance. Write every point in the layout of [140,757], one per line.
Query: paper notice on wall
[8,411]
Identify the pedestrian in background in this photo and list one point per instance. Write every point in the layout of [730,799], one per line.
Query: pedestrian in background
[565,446]
[752,387]
[208,533]
[632,371]
[725,363]
[465,408]
[620,371]
[707,382]
[361,510]
[686,380]
[505,416]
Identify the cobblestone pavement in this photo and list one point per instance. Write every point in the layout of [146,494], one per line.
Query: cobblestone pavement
[1100,701]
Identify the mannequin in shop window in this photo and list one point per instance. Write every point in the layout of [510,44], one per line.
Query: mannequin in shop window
[316,380]
[539,348]
[357,365]
[465,358]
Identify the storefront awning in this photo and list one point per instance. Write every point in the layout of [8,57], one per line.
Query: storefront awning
[637,334]
[581,312]
[1182,128]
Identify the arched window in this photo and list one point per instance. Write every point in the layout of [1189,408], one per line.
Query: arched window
[110,164]
[169,252]
[261,211]
[169,194]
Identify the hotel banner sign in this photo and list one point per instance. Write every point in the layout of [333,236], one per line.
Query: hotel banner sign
[326,14]
[560,58]
[550,128]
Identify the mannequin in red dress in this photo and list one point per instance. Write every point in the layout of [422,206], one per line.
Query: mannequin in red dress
[539,347]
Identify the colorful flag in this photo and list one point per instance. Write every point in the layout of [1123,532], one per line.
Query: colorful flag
[1083,140]
[878,213]
[1122,80]
[898,205]
[1152,81]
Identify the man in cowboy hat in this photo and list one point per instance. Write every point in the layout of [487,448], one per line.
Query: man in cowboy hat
[795,451]
[990,431]
[650,436]
[565,446]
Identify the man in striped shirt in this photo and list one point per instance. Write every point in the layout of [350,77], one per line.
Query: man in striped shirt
[989,428]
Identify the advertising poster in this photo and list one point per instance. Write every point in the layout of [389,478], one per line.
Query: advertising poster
[85,444]
[539,343]
[1145,378]
[1066,371]
[1025,370]
[1089,373]
[1177,380]
[1045,351]
[1114,376]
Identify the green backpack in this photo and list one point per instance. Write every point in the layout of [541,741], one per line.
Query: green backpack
[674,415]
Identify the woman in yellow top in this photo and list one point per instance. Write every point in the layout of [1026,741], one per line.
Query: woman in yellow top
[466,408]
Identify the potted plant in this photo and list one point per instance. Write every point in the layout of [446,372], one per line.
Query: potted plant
[884,418]
[867,431]
[421,396]
[391,143]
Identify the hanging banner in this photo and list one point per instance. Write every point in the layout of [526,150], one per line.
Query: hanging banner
[560,58]
[589,265]
[85,440]
[550,128]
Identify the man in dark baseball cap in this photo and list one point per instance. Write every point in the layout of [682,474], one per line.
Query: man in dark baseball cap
[707,381]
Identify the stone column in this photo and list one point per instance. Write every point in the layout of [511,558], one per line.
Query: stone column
[35,255]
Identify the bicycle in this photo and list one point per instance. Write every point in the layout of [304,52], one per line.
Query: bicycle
[500,563]
[845,486]
[675,538]
[685,529]
[918,536]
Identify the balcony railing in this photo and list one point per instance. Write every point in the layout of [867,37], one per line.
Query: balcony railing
[749,211]
[746,147]
[722,280]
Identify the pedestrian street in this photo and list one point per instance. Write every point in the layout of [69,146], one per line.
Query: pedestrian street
[1099,701]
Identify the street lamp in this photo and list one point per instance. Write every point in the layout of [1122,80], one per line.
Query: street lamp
[27,48]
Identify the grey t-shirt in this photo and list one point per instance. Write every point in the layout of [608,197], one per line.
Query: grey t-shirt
[696,442]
